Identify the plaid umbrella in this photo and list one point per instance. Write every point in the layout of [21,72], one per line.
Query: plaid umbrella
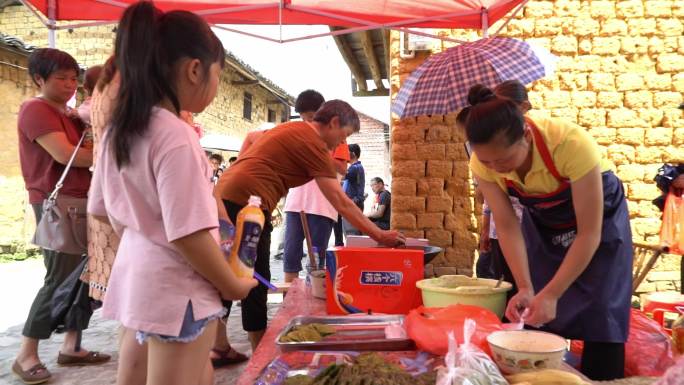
[440,85]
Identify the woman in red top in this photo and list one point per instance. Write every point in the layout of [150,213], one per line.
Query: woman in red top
[47,138]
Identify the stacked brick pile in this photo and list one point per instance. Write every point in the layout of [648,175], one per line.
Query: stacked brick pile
[431,194]
[620,75]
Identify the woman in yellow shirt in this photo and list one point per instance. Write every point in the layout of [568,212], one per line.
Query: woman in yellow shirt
[572,255]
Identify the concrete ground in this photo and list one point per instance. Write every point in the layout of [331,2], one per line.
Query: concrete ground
[19,282]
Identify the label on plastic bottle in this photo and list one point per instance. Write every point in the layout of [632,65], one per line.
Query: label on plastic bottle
[247,252]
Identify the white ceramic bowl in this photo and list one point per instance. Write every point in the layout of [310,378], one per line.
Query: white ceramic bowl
[518,351]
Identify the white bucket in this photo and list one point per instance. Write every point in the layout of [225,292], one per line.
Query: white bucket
[317,278]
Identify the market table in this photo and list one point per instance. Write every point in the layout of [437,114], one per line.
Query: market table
[298,301]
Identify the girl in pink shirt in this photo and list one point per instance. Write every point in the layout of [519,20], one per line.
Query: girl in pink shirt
[170,274]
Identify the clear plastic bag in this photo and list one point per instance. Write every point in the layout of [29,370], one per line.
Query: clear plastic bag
[671,231]
[674,375]
[467,364]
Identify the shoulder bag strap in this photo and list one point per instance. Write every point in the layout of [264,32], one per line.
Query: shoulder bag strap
[60,182]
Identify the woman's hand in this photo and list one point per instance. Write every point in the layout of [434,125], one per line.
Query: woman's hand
[518,304]
[542,309]
[347,209]
[240,289]
[485,244]
[391,238]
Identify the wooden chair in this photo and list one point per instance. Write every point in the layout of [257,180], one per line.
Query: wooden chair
[645,257]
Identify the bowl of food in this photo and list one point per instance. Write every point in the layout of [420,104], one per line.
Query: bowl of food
[517,351]
[460,289]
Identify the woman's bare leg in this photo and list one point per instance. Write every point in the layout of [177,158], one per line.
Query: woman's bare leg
[132,360]
[178,363]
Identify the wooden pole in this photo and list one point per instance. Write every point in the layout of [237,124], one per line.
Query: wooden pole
[309,245]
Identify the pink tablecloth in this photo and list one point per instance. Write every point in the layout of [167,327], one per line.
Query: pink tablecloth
[298,301]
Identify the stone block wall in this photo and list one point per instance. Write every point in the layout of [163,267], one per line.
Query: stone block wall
[431,191]
[90,46]
[620,75]
[93,45]
[224,114]
[16,217]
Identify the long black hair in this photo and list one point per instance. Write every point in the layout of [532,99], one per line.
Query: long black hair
[489,116]
[149,43]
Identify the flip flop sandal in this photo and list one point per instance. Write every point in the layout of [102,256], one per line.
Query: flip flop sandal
[224,358]
[92,358]
[37,374]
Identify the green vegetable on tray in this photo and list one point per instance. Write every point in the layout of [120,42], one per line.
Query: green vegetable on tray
[299,379]
[368,369]
[308,333]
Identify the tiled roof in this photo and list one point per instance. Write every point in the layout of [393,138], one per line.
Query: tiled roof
[266,83]
[6,3]
[18,45]
[15,44]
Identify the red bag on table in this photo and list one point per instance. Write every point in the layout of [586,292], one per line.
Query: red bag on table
[672,229]
[429,326]
[648,351]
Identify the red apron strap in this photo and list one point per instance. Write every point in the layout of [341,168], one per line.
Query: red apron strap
[544,152]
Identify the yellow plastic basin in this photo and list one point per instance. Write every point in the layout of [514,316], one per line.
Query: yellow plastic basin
[460,289]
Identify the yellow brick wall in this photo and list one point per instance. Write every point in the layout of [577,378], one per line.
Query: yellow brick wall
[16,221]
[89,46]
[620,75]
[224,115]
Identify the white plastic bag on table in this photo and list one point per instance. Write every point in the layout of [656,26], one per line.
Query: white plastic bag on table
[467,364]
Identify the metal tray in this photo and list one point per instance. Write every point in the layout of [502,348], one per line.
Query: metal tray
[310,363]
[355,333]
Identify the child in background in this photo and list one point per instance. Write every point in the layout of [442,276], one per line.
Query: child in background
[91,76]
[170,273]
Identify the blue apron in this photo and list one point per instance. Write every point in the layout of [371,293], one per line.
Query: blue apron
[596,307]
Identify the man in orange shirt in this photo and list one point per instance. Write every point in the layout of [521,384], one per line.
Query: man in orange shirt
[285,157]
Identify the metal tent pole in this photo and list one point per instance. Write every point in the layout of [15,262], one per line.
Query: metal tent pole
[511,17]
[485,23]
[52,16]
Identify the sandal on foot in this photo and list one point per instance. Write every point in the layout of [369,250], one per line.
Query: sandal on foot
[92,358]
[225,358]
[37,374]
